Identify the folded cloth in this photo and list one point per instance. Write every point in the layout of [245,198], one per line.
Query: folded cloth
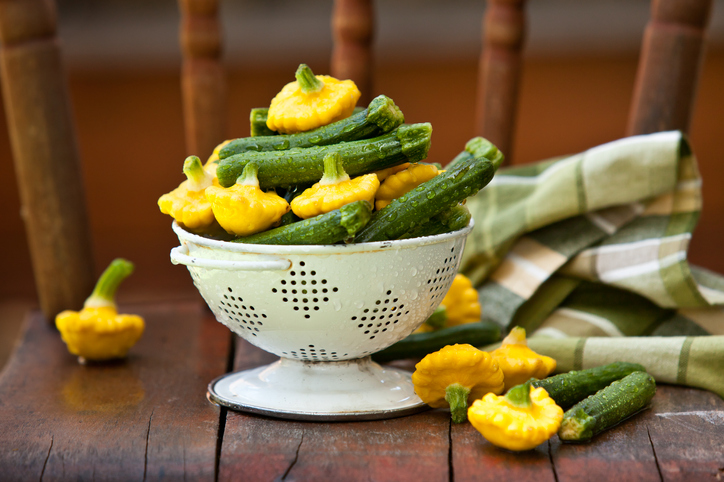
[695,361]
[595,245]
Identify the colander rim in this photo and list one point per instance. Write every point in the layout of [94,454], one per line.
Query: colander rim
[317,248]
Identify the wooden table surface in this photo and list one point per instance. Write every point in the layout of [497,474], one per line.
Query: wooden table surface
[147,418]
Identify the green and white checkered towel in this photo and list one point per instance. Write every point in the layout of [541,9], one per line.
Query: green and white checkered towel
[595,245]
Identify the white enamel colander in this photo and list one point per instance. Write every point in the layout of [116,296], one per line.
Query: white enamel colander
[323,310]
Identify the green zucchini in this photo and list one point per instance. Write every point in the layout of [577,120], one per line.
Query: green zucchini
[479,147]
[447,221]
[257,122]
[428,199]
[607,407]
[567,389]
[418,345]
[332,227]
[380,117]
[259,115]
[300,165]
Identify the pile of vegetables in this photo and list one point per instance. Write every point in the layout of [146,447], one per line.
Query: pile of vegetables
[318,170]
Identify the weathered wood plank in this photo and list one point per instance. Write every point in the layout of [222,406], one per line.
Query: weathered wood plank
[686,431]
[476,459]
[259,448]
[145,417]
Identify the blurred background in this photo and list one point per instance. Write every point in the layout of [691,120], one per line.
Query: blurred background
[123,63]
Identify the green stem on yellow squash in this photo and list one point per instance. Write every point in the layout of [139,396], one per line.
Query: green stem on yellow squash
[519,395]
[307,80]
[104,292]
[249,175]
[334,172]
[456,396]
[198,178]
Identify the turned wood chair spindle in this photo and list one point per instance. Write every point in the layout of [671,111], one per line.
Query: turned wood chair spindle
[202,78]
[353,31]
[45,153]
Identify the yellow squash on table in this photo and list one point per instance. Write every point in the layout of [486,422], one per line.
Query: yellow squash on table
[98,332]
[455,375]
[518,362]
[521,420]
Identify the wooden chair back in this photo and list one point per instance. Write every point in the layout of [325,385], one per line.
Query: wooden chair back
[43,135]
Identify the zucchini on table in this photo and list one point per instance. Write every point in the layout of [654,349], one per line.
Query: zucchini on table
[607,407]
[329,228]
[380,117]
[567,389]
[300,165]
[418,345]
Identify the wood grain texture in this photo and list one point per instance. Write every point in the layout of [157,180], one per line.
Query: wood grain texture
[203,83]
[499,73]
[260,448]
[669,66]
[352,33]
[45,153]
[142,418]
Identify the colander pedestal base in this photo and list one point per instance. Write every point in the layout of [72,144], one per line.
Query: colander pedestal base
[357,389]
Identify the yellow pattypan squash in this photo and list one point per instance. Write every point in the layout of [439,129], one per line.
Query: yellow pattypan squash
[403,182]
[310,102]
[334,190]
[213,161]
[385,173]
[521,420]
[461,305]
[244,209]
[518,362]
[98,332]
[455,375]
[187,203]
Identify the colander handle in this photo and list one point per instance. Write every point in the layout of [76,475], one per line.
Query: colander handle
[180,255]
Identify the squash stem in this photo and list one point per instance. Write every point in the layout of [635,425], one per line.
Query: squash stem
[306,79]
[438,318]
[456,395]
[104,292]
[334,172]
[519,395]
[249,175]
[198,178]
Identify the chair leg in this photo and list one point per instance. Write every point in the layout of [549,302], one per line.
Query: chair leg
[47,162]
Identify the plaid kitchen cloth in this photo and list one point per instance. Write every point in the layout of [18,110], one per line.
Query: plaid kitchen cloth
[585,250]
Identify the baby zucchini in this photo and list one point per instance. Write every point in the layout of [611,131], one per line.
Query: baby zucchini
[416,207]
[259,115]
[301,165]
[567,389]
[607,407]
[418,345]
[380,117]
[447,221]
[329,228]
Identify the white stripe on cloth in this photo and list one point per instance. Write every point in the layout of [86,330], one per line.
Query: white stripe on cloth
[711,295]
[605,325]
[529,267]
[613,248]
[549,332]
[640,269]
